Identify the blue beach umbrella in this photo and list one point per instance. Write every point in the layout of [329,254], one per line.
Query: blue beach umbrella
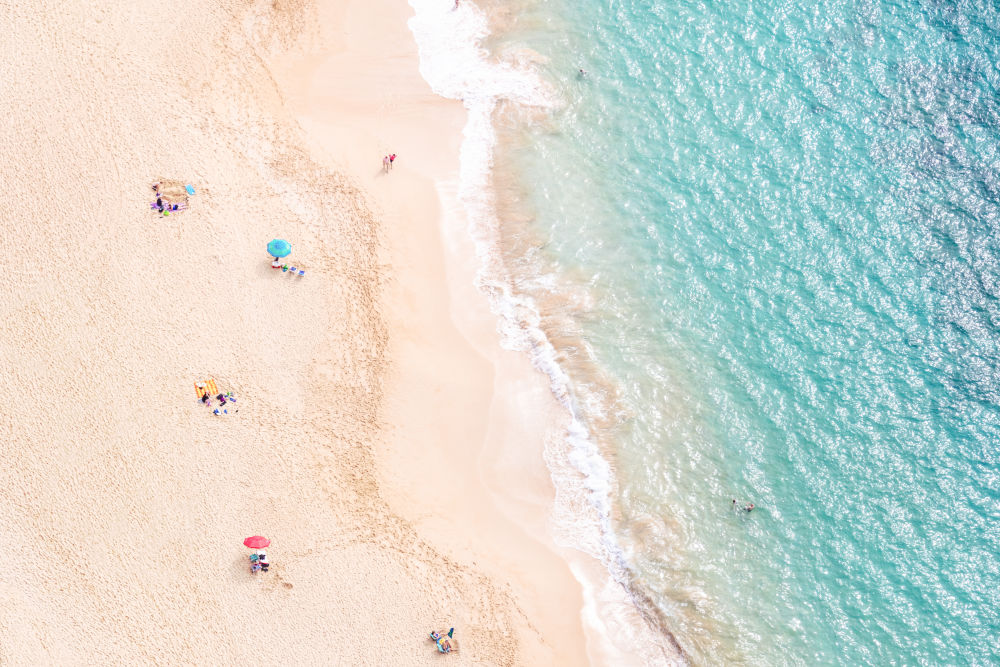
[279,248]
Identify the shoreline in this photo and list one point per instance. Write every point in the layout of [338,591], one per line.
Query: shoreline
[453,348]
[498,84]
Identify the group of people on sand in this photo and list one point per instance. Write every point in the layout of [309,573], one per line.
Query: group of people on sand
[163,205]
[223,399]
[387,162]
[443,642]
[258,562]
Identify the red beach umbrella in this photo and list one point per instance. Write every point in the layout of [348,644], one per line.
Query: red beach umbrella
[256,542]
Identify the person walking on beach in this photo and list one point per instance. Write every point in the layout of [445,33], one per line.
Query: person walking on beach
[392,158]
[385,164]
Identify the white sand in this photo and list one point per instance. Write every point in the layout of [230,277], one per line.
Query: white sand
[124,502]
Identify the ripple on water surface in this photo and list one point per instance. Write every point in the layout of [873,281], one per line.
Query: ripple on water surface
[786,215]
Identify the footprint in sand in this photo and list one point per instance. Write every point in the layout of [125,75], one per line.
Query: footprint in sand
[278,578]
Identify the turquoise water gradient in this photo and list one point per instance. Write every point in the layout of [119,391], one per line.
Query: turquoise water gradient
[787,216]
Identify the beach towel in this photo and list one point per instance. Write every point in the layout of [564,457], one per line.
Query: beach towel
[208,385]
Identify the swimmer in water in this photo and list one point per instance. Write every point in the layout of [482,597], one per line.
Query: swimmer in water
[746,508]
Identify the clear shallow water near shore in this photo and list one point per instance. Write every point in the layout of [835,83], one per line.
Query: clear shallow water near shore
[763,241]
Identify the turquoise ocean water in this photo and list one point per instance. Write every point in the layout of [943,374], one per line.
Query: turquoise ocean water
[784,222]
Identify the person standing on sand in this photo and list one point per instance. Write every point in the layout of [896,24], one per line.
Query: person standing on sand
[385,164]
[392,158]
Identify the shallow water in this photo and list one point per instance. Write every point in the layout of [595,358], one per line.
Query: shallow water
[763,240]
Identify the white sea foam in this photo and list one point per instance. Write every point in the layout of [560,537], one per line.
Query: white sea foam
[456,66]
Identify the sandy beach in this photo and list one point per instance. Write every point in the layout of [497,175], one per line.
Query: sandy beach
[372,444]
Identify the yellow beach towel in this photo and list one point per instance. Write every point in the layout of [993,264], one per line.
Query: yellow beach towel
[207,386]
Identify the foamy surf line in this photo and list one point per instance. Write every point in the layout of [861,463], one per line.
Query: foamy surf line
[452,61]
